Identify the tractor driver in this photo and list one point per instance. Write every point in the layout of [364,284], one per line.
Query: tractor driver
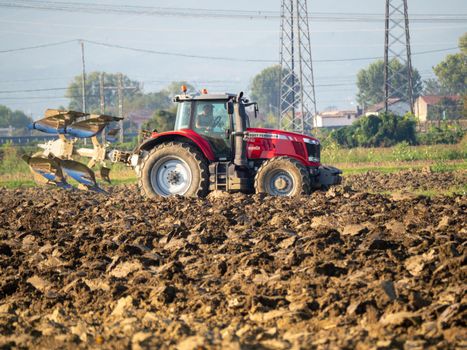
[205,119]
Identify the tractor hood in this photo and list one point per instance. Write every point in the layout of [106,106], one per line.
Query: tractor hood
[281,134]
[268,143]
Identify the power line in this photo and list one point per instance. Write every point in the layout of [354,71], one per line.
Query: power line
[35,97]
[99,8]
[30,90]
[223,30]
[166,53]
[322,84]
[39,46]
[423,72]
[232,59]
[30,79]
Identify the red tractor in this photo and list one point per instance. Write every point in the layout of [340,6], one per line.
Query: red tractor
[212,147]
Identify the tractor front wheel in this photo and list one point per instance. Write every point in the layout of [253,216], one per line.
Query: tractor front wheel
[174,169]
[282,176]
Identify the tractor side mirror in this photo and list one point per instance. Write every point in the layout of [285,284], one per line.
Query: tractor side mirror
[230,107]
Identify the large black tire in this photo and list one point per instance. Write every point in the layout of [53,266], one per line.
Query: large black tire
[283,176]
[169,164]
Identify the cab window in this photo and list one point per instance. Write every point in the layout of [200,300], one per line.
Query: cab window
[211,120]
[210,117]
[183,116]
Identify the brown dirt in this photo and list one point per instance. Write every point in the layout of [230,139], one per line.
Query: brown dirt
[407,180]
[335,269]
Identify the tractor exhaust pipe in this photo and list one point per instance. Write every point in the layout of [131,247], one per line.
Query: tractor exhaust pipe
[240,129]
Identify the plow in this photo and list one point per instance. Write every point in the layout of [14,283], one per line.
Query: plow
[212,147]
[55,162]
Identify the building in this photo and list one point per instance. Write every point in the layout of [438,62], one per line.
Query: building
[428,107]
[333,119]
[7,131]
[395,105]
[139,117]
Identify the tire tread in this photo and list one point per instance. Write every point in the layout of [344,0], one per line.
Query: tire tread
[304,176]
[203,187]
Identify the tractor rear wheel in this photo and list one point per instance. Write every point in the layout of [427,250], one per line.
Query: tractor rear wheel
[282,176]
[174,169]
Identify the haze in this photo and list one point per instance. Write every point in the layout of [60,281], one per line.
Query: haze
[244,38]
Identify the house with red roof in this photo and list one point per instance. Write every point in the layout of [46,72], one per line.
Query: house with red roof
[427,107]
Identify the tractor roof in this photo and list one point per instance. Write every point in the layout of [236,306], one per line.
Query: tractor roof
[216,96]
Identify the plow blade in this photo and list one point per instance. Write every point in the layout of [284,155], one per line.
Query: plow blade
[105,172]
[51,171]
[90,127]
[81,174]
[46,171]
[112,134]
[66,122]
[49,126]
[56,122]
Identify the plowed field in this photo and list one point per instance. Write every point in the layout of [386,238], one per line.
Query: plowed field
[342,268]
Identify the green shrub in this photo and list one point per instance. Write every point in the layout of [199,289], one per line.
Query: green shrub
[403,152]
[382,130]
[10,160]
[444,134]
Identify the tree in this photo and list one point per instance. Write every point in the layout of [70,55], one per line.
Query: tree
[446,108]
[134,100]
[265,89]
[269,120]
[74,92]
[370,82]
[385,129]
[174,88]
[463,43]
[162,120]
[150,101]
[432,87]
[452,74]
[16,119]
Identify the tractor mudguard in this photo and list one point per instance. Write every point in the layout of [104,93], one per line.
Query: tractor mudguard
[184,135]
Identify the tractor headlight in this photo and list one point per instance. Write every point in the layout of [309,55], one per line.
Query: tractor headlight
[313,149]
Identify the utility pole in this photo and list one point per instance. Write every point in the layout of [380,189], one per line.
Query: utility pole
[120,104]
[297,91]
[120,88]
[83,81]
[101,92]
[83,77]
[398,81]
[102,101]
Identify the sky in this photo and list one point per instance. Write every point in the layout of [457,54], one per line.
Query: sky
[339,48]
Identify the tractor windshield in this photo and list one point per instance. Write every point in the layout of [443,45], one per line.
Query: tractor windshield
[211,121]
[183,116]
[211,116]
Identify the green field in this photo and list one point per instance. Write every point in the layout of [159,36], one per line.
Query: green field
[438,158]
[402,152]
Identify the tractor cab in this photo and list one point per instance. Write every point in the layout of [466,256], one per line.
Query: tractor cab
[212,117]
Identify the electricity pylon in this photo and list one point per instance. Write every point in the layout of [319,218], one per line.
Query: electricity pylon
[398,79]
[297,90]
